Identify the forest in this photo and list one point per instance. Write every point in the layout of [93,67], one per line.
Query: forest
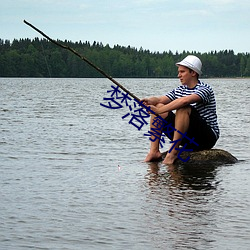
[41,58]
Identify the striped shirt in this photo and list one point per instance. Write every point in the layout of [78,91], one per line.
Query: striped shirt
[206,108]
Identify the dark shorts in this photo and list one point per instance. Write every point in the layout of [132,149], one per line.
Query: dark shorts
[198,129]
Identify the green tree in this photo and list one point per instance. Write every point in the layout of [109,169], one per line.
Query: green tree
[247,69]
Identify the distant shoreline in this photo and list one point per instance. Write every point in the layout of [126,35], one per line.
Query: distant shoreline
[41,58]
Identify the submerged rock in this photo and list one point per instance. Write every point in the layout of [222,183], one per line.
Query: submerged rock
[205,157]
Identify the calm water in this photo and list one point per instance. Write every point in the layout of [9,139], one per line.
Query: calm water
[72,175]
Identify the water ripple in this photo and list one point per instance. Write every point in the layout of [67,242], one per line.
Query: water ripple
[72,175]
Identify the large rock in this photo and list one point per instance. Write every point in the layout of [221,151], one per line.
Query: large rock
[205,157]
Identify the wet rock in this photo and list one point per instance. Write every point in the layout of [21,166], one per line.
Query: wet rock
[205,157]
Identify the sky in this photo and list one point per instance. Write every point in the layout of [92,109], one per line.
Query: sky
[155,25]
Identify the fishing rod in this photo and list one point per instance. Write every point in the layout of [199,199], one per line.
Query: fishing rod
[84,59]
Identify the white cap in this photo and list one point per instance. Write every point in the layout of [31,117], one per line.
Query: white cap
[191,62]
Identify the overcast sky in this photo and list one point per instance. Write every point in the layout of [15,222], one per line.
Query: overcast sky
[157,25]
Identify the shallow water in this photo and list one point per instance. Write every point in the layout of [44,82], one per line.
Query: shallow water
[72,175]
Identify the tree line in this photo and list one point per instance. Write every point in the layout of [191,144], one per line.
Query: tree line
[41,58]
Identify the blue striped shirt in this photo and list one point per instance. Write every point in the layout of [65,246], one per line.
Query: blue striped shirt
[206,108]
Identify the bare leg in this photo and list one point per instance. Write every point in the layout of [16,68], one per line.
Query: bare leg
[154,152]
[181,124]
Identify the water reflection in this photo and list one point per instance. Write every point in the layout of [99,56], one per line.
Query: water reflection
[183,197]
[183,177]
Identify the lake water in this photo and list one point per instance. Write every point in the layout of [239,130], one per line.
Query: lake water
[72,174]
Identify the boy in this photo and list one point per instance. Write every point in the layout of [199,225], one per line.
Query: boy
[195,115]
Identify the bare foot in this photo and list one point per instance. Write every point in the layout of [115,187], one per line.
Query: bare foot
[170,158]
[153,156]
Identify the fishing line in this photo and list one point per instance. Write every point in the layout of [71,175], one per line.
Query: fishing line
[45,58]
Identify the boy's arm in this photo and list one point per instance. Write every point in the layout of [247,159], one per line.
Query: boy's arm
[155,100]
[176,104]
